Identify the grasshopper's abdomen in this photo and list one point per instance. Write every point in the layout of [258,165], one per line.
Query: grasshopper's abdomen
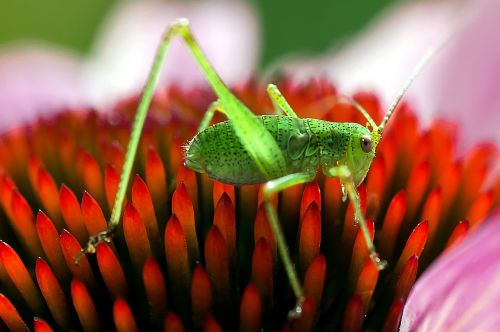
[218,152]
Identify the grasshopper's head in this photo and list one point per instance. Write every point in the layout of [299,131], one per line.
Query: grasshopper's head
[363,146]
[360,153]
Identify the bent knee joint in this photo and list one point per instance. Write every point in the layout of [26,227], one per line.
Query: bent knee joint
[179,27]
[268,191]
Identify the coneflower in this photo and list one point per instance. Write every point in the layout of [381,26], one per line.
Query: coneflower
[196,254]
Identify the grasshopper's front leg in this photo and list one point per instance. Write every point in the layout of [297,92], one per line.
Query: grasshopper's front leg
[344,174]
[270,188]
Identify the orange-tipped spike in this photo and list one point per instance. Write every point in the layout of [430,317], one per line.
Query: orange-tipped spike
[392,224]
[34,165]
[53,294]
[311,194]
[201,296]
[458,234]
[480,208]
[143,202]
[477,164]
[115,155]
[111,181]
[219,189]
[305,321]
[92,215]
[225,220]
[359,253]
[48,195]
[432,212]
[309,235]
[188,177]
[49,238]
[10,316]
[92,177]
[314,280]
[250,310]
[123,317]
[156,291]
[449,182]
[354,314]
[71,248]
[375,187]
[25,223]
[72,214]
[394,316]
[156,178]
[20,277]
[39,325]
[211,325]
[406,278]
[351,227]
[290,211]
[172,323]
[111,271]
[414,245]
[136,236]
[262,229]
[442,148]
[177,254]
[366,283]
[217,262]
[182,207]
[263,269]
[332,205]
[416,187]
[84,306]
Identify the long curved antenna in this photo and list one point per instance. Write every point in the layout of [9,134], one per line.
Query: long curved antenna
[416,70]
[330,101]
[361,109]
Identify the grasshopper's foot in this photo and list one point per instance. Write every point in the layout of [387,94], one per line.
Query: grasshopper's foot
[90,247]
[296,312]
[379,262]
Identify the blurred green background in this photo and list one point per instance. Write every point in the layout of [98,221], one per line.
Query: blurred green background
[287,25]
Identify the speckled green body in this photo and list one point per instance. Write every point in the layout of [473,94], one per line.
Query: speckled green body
[306,144]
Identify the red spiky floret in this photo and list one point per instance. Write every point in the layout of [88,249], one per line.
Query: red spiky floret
[191,253]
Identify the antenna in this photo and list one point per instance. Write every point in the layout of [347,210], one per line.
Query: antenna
[416,70]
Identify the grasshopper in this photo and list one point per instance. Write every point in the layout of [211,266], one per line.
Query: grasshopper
[279,150]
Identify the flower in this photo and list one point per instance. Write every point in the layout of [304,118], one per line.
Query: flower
[193,253]
[460,292]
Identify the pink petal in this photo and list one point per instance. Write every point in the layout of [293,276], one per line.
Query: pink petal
[461,290]
[37,79]
[226,30]
[460,83]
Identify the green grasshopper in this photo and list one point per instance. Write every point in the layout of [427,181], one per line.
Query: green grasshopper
[278,150]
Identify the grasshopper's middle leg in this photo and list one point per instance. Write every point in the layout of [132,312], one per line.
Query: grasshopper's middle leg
[270,188]
[279,101]
[209,114]
[344,174]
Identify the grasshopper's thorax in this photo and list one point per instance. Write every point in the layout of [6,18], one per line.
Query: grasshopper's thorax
[348,144]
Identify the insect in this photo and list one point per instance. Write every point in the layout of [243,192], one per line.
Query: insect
[279,150]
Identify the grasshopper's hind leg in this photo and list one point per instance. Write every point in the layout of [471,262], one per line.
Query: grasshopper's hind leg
[270,188]
[344,174]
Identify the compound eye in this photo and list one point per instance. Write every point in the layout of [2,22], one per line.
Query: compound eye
[366,143]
